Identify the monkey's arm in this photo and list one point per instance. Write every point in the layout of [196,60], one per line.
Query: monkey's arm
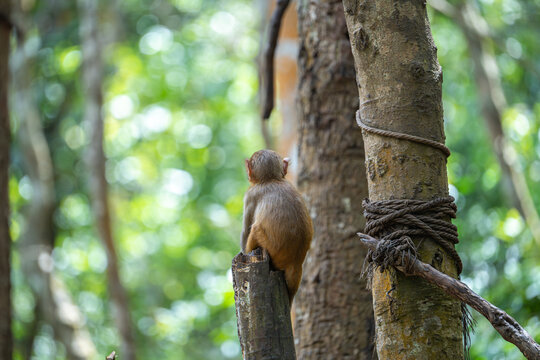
[249,210]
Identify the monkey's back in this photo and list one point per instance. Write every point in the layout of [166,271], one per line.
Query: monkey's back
[283,217]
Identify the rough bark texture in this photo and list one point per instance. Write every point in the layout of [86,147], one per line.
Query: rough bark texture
[334,316]
[399,84]
[92,82]
[6,338]
[493,103]
[262,308]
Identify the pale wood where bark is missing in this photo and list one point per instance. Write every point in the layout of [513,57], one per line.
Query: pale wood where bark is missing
[505,325]
[262,308]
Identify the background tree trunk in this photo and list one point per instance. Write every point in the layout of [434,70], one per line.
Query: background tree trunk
[399,84]
[92,82]
[35,245]
[6,338]
[334,316]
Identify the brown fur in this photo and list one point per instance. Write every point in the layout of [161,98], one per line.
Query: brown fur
[275,217]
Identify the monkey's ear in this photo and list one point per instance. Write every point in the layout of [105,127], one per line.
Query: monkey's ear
[285,165]
[248,169]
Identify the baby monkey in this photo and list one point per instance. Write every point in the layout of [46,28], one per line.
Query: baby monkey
[275,217]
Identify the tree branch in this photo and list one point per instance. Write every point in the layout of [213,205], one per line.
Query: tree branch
[505,325]
[267,67]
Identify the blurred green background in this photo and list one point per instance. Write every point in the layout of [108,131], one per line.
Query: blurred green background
[181,114]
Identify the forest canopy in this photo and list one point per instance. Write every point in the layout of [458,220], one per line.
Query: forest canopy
[181,113]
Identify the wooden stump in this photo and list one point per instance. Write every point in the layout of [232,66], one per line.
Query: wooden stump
[262,308]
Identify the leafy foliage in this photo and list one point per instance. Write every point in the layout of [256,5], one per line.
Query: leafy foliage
[500,255]
[180,115]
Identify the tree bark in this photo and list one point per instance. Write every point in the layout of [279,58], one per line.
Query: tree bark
[493,103]
[6,337]
[262,308]
[399,84]
[92,82]
[334,316]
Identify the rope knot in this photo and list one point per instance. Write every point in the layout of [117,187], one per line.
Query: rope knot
[395,221]
[391,252]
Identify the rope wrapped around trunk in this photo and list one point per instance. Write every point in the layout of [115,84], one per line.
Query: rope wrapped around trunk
[394,222]
[398,135]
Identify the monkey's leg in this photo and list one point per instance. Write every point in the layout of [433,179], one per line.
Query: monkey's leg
[255,239]
[293,275]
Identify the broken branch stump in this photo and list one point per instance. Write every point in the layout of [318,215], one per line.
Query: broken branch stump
[262,308]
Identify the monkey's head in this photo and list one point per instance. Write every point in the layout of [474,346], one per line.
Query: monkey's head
[266,165]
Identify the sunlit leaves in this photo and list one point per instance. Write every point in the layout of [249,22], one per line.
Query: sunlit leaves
[180,117]
[499,252]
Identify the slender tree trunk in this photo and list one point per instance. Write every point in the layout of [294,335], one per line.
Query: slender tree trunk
[493,103]
[6,337]
[92,82]
[399,84]
[334,316]
[37,239]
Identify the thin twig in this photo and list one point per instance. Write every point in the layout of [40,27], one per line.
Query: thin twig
[267,68]
[112,356]
[505,325]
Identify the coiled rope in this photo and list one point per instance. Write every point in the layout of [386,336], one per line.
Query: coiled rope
[435,144]
[394,222]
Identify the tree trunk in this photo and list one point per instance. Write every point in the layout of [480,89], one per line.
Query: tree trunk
[399,84]
[334,316]
[92,82]
[262,308]
[36,242]
[6,338]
